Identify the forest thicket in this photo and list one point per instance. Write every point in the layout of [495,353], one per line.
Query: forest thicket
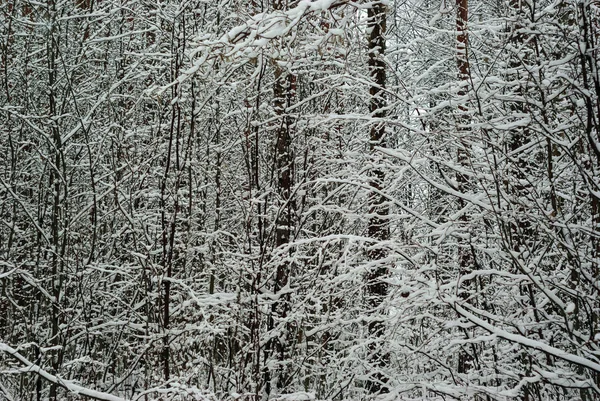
[300,200]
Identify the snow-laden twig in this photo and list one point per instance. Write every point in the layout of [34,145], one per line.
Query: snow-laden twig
[526,342]
[66,384]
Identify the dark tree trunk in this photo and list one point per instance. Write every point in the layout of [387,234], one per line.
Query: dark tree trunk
[378,209]
[284,88]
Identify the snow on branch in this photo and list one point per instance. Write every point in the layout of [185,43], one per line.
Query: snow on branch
[246,40]
[526,342]
[66,384]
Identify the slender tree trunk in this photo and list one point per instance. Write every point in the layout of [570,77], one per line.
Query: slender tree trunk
[58,208]
[284,89]
[169,223]
[465,257]
[378,209]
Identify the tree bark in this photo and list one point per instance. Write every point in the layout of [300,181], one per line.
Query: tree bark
[465,259]
[378,228]
[284,88]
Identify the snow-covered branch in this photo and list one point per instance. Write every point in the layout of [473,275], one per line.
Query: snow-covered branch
[30,367]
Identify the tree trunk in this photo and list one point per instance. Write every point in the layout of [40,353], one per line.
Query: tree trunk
[378,209]
[465,259]
[284,88]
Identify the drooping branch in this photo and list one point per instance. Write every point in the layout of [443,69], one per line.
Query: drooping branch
[30,367]
[527,342]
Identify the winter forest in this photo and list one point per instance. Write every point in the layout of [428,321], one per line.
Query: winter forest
[300,200]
